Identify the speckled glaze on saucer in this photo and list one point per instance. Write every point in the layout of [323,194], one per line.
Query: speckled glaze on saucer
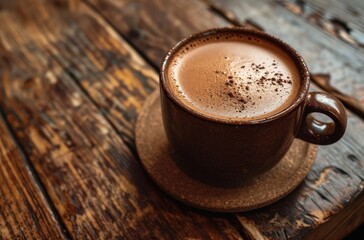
[157,159]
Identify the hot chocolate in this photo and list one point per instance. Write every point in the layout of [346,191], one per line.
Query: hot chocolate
[233,76]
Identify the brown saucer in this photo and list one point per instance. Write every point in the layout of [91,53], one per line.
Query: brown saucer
[157,158]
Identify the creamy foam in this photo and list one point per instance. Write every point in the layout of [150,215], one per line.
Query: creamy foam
[233,76]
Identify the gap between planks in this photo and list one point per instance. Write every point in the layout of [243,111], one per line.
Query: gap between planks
[121,35]
[34,175]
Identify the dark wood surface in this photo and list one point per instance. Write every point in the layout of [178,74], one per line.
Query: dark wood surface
[74,75]
[24,211]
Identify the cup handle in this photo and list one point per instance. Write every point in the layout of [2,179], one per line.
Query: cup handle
[315,131]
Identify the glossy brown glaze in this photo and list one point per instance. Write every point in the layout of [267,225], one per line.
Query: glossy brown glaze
[227,152]
[318,132]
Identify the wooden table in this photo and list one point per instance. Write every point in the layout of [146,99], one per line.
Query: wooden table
[74,75]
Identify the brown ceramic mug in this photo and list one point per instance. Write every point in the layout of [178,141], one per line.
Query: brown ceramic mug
[227,152]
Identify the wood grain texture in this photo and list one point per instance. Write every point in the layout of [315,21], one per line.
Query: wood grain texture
[323,81]
[323,52]
[343,19]
[153,27]
[350,13]
[24,212]
[68,70]
[338,174]
[343,223]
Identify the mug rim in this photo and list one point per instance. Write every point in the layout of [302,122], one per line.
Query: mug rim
[292,53]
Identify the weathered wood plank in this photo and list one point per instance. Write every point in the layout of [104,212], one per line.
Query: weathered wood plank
[323,81]
[343,223]
[153,27]
[337,176]
[324,53]
[93,178]
[24,212]
[350,13]
[343,19]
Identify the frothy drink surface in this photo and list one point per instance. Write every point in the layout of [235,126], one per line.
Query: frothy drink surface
[233,76]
